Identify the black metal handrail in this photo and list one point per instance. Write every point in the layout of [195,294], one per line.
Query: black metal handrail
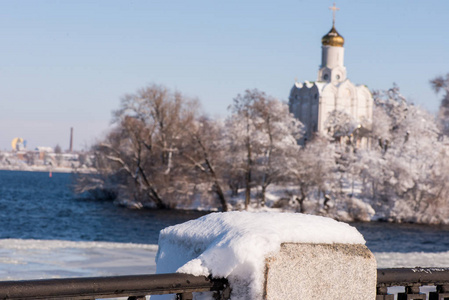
[412,279]
[412,276]
[138,286]
[132,286]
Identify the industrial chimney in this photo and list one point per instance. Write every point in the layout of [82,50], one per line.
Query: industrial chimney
[71,140]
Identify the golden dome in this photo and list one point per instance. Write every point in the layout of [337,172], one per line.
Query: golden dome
[333,38]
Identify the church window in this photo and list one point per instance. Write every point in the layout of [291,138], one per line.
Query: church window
[338,77]
[325,76]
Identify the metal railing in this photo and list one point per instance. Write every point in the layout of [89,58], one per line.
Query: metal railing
[135,287]
[412,279]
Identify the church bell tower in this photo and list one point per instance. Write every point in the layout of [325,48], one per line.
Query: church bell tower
[332,67]
[313,102]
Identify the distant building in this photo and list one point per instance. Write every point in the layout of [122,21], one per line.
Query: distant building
[313,102]
[18,144]
[43,151]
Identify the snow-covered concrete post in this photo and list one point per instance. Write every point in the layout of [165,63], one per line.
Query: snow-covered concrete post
[272,256]
[321,271]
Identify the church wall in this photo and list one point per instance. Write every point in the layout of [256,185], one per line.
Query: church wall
[312,108]
[329,102]
[365,104]
[304,104]
[347,98]
[315,105]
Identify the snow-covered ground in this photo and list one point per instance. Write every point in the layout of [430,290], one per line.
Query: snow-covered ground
[38,259]
[33,259]
[44,168]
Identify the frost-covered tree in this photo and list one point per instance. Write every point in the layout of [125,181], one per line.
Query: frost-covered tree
[402,172]
[390,111]
[261,135]
[441,83]
[242,141]
[340,124]
[278,132]
[205,157]
[313,172]
[161,153]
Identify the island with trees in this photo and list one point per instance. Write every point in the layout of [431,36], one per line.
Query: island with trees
[164,153]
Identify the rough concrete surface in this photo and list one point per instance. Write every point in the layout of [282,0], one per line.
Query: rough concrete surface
[321,271]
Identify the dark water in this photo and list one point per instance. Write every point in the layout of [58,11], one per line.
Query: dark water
[388,237]
[35,206]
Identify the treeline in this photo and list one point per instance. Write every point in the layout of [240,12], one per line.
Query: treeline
[163,153]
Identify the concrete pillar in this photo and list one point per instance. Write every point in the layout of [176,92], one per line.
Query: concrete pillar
[321,271]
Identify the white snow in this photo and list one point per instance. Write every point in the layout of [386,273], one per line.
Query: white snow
[412,259]
[40,259]
[235,244]
[37,259]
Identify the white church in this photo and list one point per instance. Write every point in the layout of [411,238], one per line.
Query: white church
[332,93]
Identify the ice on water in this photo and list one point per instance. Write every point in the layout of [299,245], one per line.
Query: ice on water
[39,259]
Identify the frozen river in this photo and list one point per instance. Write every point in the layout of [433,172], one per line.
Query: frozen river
[38,259]
[46,232]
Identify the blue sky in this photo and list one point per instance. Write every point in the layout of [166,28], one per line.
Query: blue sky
[67,63]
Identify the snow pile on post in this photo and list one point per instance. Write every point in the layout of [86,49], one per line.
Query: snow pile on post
[234,245]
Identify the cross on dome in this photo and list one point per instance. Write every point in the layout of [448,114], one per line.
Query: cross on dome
[333,38]
[334,9]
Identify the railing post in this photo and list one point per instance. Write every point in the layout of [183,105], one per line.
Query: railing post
[442,293]
[382,294]
[224,294]
[184,296]
[412,293]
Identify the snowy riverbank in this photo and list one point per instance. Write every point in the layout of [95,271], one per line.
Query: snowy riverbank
[46,169]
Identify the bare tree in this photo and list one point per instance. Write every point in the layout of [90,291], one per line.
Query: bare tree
[129,150]
[58,149]
[143,151]
[241,131]
[205,154]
